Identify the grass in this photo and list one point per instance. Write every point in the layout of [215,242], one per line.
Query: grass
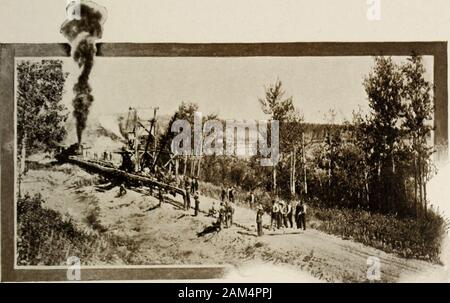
[214,191]
[45,237]
[407,237]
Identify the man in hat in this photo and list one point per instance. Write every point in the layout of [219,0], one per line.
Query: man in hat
[195,184]
[212,211]
[223,194]
[160,197]
[274,214]
[192,186]
[197,203]
[259,223]
[301,216]
[187,198]
[222,215]
[251,199]
[229,214]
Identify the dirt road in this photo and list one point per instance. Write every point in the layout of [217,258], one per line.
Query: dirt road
[170,235]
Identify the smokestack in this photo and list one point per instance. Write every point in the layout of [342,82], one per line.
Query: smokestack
[82,28]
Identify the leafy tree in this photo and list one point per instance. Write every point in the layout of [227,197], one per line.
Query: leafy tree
[282,109]
[418,101]
[40,112]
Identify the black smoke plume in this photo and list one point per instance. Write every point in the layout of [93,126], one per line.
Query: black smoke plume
[82,29]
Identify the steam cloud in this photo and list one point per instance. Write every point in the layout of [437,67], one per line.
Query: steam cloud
[82,32]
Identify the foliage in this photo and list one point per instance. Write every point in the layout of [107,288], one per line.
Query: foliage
[45,237]
[40,113]
[406,237]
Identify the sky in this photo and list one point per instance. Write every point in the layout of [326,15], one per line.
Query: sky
[205,21]
[315,87]
[229,87]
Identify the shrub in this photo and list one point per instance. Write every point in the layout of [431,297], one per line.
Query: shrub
[45,237]
[410,238]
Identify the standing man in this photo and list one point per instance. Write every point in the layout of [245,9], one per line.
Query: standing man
[187,182]
[187,198]
[195,184]
[274,215]
[280,214]
[192,186]
[251,199]
[230,213]
[197,203]
[298,208]
[160,197]
[259,223]
[223,194]
[288,215]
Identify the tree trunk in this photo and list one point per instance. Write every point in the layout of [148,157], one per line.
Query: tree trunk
[274,185]
[192,166]
[420,184]
[23,155]
[176,168]
[415,186]
[424,184]
[366,187]
[305,184]
[199,166]
[294,163]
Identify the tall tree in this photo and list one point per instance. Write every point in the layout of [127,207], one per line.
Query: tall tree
[40,112]
[281,109]
[418,101]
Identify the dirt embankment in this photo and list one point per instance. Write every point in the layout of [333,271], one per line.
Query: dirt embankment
[170,235]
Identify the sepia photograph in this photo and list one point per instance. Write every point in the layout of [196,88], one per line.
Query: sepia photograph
[281,162]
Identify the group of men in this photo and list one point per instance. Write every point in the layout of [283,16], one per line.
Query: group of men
[191,188]
[284,213]
[228,194]
[191,184]
[187,201]
[226,210]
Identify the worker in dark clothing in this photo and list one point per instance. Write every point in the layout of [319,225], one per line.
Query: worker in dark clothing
[192,186]
[122,190]
[222,215]
[187,198]
[274,214]
[187,182]
[259,223]
[231,194]
[127,164]
[160,197]
[197,204]
[195,184]
[280,215]
[297,214]
[251,200]
[229,213]
[223,194]
[301,216]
